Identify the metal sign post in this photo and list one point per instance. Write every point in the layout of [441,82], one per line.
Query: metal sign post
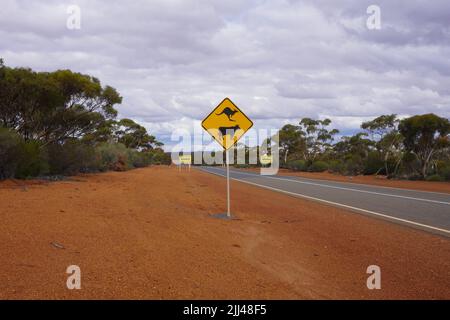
[228,183]
[185,160]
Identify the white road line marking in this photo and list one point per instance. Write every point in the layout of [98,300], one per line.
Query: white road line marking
[373,185]
[339,205]
[348,189]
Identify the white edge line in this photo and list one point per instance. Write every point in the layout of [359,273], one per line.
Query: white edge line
[338,204]
[348,189]
[365,184]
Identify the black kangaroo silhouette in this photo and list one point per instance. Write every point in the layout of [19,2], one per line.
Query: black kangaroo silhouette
[228,112]
[223,130]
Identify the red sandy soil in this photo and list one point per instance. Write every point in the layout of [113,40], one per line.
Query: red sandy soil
[378,180]
[147,234]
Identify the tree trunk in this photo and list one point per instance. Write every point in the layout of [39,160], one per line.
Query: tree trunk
[426,163]
[424,169]
[386,157]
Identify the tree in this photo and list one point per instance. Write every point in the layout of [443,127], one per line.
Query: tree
[424,135]
[384,130]
[135,136]
[54,107]
[105,132]
[86,105]
[357,144]
[354,151]
[290,140]
[317,137]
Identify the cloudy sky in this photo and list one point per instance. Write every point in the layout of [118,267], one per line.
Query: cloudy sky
[278,60]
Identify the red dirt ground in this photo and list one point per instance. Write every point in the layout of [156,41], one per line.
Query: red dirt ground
[147,234]
[371,180]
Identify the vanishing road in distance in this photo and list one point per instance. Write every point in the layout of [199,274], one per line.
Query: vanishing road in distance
[429,211]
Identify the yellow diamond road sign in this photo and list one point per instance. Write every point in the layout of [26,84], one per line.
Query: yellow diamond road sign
[227,123]
[185,159]
[266,159]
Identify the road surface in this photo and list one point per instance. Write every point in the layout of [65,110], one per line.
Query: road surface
[428,211]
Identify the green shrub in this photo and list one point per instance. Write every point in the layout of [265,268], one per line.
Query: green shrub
[353,166]
[71,158]
[113,156]
[297,165]
[445,173]
[414,177]
[160,157]
[409,166]
[33,161]
[318,166]
[10,152]
[435,177]
[336,166]
[20,159]
[374,163]
[139,159]
[443,169]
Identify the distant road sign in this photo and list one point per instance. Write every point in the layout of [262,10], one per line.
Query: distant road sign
[185,159]
[227,124]
[265,159]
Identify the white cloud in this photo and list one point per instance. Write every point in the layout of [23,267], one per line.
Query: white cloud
[173,61]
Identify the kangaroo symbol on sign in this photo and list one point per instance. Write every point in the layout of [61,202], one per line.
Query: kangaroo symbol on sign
[228,112]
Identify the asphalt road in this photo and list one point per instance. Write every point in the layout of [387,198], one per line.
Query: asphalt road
[429,211]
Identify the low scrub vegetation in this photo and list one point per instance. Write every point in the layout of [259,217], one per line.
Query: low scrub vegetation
[414,148]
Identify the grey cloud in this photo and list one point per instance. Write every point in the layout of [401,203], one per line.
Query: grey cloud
[278,60]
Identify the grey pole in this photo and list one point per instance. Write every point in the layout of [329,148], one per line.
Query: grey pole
[228,183]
